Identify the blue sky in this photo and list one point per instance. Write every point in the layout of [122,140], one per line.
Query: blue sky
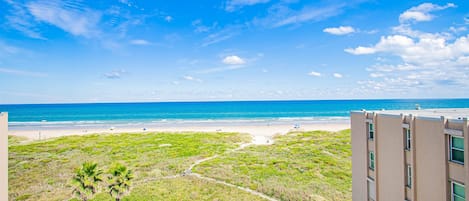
[128,50]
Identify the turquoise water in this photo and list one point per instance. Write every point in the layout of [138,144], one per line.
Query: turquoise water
[105,113]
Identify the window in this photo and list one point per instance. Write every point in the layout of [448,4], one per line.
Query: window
[457,149]
[409,176]
[371,160]
[457,192]
[371,131]
[408,138]
[371,189]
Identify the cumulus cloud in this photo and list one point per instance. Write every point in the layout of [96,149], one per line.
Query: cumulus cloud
[314,74]
[232,5]
[233,60]
[342,30]
[337,75]
[422,12]
[387,43]
[375,75]
[168,18]
[360,50]
[425,60]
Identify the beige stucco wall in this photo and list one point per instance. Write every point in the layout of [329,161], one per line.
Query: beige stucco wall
[3,156]
[431,160]
[359,157]
[390,158]
[456,172]
[465,129]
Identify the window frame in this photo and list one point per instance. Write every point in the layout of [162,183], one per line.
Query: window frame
[371,131]
[371,160]
[408,139]
[409,176]
[452,191]
[451,148]
[371,188]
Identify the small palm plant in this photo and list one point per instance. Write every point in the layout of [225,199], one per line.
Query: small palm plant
[119,181]
[86,180]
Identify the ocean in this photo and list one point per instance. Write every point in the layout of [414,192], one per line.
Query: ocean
[234,112]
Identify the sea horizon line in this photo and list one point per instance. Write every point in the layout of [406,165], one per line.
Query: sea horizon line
[237,100]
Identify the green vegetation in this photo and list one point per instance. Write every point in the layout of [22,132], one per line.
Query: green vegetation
[299,166]
[15,140]
[182,188]
[41,170]
[119,181]
[86,180]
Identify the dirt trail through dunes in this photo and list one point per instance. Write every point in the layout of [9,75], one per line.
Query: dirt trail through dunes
[188,172]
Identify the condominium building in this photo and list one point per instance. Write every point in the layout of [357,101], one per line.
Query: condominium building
[410,155]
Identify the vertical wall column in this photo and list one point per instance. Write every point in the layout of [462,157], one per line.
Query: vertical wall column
[413,162]
[3,156]
[465,131]
[359,156]
[376,126]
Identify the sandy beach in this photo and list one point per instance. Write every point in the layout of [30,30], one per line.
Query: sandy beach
[262,134]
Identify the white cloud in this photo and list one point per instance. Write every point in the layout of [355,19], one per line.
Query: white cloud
[288,12]
[426,61]
[360,50]
[310,14]
[115,74]
[72,17]
[222,35]
[375,75]
[337,75]
[232,5]
[233,60]
[6,49]
[422,12]
[139,42]
[190,78]
[200,28]
[21,20]
[168,18]
[22,72]
[342,30]
[315,74]
[457,29]
[221,69]
[386,44]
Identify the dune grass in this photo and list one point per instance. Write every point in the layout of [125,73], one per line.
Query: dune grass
[15,140]
[298,166]
[182,188]
[41,170]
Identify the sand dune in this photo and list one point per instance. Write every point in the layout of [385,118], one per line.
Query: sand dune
[261,133]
